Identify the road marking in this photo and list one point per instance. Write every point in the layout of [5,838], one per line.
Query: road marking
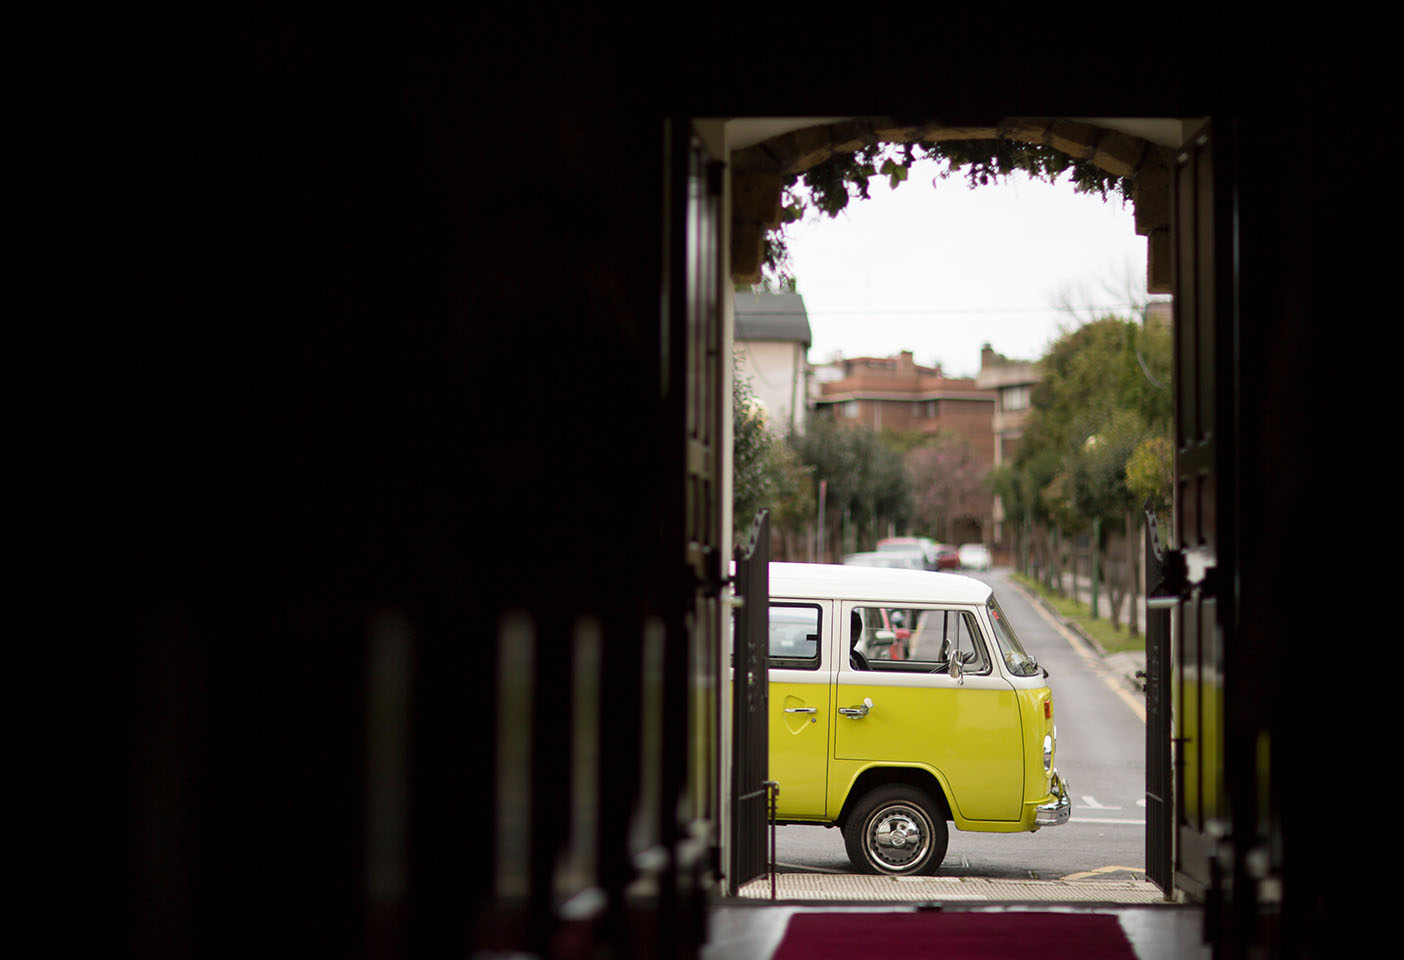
[807,868]
[1083,650]
[1091,803]
[1103,870]
[1124,823]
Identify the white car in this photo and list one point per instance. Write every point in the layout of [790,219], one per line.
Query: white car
[974,556]
[896,559]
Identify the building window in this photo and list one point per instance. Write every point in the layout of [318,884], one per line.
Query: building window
[931,408]
[850,410]
[1015,398]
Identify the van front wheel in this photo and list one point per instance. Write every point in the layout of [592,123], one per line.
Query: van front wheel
[896,830]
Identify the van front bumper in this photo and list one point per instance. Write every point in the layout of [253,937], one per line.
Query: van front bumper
[1055,812]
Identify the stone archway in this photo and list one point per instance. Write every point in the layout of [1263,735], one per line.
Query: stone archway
[760,171]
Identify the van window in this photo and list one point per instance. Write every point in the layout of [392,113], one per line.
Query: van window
[924,637]
[1020,663]
[794,635]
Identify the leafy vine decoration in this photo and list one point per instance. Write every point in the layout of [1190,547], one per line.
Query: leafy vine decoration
[829,186]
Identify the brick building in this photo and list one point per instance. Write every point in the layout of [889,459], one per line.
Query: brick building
[899,394]
[896,393]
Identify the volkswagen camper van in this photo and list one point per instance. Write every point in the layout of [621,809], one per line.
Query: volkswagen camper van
[960,731]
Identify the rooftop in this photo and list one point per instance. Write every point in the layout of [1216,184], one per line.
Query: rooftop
[772,317]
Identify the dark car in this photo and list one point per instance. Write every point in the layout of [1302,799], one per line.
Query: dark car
[947,558]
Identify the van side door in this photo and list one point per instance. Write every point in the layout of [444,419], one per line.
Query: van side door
[800,677]
[966,729]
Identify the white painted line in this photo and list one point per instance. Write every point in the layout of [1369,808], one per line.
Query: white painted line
[1126,823]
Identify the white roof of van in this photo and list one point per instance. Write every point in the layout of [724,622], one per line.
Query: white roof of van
[879,584]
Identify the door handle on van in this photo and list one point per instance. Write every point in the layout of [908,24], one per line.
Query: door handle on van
[801,709]
[857,713]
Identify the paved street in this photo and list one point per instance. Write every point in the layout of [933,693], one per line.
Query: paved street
[1101,753]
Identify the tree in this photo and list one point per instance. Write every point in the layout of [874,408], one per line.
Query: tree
[1103,405]
[766,471]
[867,482]
[947,483]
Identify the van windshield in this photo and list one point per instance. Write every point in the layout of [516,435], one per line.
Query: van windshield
[1020,663]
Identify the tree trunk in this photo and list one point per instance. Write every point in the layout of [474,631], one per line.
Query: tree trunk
[1133,570]
[1116,591]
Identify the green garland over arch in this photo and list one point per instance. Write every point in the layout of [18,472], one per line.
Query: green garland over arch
[829,186]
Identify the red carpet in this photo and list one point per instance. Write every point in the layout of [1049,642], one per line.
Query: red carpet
[963,935]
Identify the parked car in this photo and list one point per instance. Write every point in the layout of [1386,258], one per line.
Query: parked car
[974,556]
[925,545]
[947,558]
[897,559]
[890,751]
[884,637]
[895,621]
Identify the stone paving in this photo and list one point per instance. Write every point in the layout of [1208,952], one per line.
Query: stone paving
[1109,888]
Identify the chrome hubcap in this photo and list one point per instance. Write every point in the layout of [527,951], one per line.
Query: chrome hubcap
[896,838]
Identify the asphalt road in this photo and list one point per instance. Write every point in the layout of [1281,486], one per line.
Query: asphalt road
[1101,754]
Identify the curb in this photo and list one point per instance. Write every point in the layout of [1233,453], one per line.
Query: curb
[1128,679]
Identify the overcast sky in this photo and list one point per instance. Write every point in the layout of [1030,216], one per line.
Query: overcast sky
[942,270]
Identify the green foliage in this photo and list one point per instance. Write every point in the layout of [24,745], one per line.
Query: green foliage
[1103,400]
[829,186]
[867,480]
[1111,638]
[1150,473]
[766,472]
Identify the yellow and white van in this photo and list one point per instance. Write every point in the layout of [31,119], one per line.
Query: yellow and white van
[961,730]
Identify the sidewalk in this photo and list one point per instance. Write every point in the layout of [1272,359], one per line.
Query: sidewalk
[1079,587]
[1129,667]
[752,926]
[1112,888]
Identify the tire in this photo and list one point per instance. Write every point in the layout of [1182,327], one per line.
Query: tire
[896,831]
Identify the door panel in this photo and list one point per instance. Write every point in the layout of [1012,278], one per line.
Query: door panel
[969,732]
[800,679]
[799,741]
[687,808]
[1204,315]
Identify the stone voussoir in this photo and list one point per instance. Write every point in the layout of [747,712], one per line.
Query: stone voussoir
[850,136]
[754,159]
[756,197]
[1151,192]
[1073,137]
[1025,130]
[941,133]
[1158,261]
[888,131]
[1118,153]
[799,150]
[747,240]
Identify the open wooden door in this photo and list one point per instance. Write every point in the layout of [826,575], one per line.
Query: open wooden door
[693,384]
[1205,372]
